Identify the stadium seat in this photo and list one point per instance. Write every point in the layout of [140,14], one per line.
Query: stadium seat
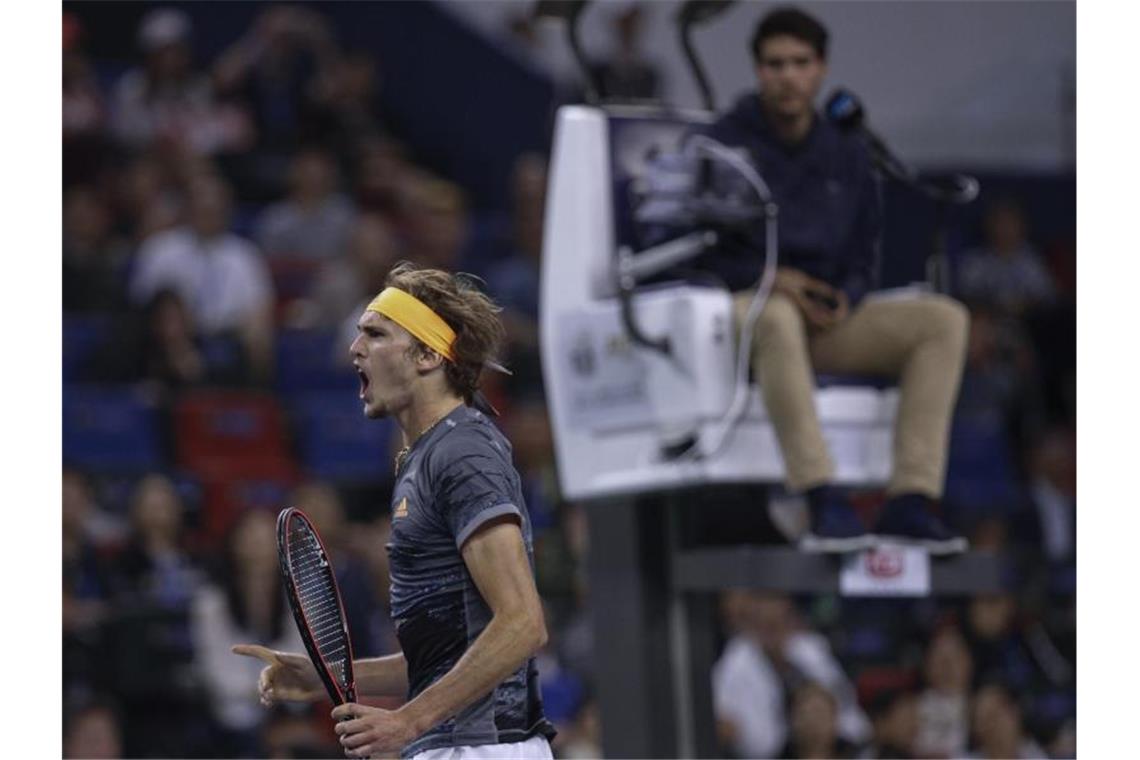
[230,430]
[292,280]
[111,429]
[83,336]
[236,444]
[307,360]
[337,442]
[979,473]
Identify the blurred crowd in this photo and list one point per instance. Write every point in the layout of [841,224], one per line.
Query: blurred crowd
[225,221]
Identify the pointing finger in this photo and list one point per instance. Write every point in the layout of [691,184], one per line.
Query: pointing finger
[264,654]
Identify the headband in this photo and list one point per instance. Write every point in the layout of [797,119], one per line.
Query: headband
[416,317]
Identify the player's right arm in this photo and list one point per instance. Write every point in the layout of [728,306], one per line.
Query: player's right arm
[290,677]
[382,676]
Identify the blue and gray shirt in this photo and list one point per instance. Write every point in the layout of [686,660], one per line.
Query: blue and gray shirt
[457,476]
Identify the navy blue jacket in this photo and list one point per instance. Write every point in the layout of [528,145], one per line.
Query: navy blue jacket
[830,210]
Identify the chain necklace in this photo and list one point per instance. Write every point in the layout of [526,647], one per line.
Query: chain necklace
[402,454]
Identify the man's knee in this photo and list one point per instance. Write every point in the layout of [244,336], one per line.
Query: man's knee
[948,319]
[779,322]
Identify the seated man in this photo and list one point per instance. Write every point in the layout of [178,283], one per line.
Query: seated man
[816,319]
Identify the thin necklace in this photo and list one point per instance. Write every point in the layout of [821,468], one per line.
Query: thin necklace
[402,454]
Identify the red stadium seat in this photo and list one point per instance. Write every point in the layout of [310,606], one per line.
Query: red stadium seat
[236,443]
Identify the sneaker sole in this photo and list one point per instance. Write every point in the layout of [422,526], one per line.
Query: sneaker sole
[934,547]
[814,544]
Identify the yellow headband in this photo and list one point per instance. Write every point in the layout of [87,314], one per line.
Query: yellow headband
[416,317]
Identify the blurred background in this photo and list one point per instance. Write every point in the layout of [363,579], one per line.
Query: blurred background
[314,145]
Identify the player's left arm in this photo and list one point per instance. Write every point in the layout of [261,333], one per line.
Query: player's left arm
[497,560]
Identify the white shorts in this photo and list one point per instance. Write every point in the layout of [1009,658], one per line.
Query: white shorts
[534,748]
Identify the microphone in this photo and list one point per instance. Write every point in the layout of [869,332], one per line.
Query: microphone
[845,110]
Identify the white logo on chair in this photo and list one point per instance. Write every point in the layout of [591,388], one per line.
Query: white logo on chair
[886,570]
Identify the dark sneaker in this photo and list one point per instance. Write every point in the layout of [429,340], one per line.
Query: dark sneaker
[908,520]
[835,528]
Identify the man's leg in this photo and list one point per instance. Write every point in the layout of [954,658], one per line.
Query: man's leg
[782,364]
[922,341]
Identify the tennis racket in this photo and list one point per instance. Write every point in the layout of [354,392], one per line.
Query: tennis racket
[315,600]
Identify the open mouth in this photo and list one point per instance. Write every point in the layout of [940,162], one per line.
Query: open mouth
[364,382]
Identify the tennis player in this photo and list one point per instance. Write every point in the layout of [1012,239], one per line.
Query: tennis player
[467,613]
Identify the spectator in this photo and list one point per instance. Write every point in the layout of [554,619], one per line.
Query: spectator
[347,110]
[1049,525]
[346,284]
[94,260]
[812,729]
[221,277]
[274,67]
[148,199]
[244,603]
[1006,272]
[529,425]
[86,581]
[627,75]
[894,714]
[1004,648]
[93,731]
[514,282]
[155,567]
[167,103]
[943,718]
[433,218]
[153,652]
[996,409]
[382,172]
[85,149]
[761,666]
[313,222]
[997,727]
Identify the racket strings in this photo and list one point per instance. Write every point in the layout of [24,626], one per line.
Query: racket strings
[316,591]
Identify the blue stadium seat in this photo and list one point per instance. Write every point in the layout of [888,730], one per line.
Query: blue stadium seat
[337,442]
[83,335]
[110,428]
[307,360]
[980,474]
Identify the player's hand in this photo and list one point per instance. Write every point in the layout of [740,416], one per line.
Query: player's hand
[370,731]
[286,677]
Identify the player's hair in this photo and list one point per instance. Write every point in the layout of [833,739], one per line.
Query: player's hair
[791,22]
[474,317]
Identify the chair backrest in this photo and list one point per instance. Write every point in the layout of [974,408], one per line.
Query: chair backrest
[337,442]
[231,432]
[111,429]
[307,360]
[598,155]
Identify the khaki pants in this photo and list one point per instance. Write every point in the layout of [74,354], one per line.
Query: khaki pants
[921,341]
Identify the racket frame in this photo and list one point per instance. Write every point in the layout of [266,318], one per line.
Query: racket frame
[339,697]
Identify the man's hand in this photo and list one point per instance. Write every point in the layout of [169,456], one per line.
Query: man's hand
[286,677]
[813,297]
[370,731]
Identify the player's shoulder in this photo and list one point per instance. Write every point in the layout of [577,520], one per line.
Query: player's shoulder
[468,434]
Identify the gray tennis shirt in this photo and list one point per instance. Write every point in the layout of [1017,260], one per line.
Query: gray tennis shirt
[456,477]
